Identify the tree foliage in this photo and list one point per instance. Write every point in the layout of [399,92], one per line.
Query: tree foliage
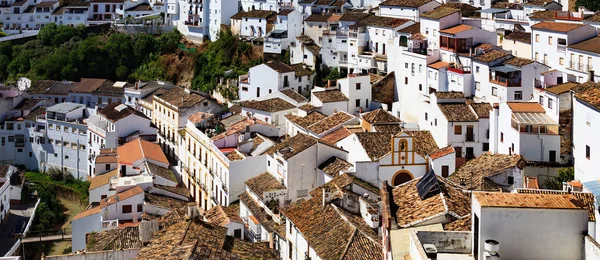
[71,53]
[564,175]
[592,5]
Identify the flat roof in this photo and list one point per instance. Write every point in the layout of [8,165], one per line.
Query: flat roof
[64,107]
[533,119]
[504,69]
[492,11]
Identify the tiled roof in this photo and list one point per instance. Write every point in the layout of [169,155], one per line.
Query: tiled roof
[388,128]
[336,233]
[449,94]
[165,173]
[103,179]
[442,152]
[595,18]
[520,200]
[376,145]
[383,90]
[254,14]
[589,95]
[237,127]
[259,213]
[196,239]
[140,8]
[541,3]
[113,239]
[334,165]
[279,66]
[178,97]
[320,18]
[179,190]
[458,112]
[405,3]
[439,13]
[222,216]
[294,95]
[138,149]
[116,111]
[293,145]
[383,21]
[328,96]
[412,210]
[199,117]
[519,62]
[262,183]
[88,85]
[482,109]
[556,26]
[525,107]
[463,224]
[542,15]
[379,116]
[285,12]
[354,16]
[591,45]
[163,201]
[28,104]
[439,64]
[235,155]
[306,121]
[110,201]
[38,111]
[330,122]
[586,198]
[524,37]
[336,136]
[423,142]
[40,86]
[411,29]
[268,105]
[301,70]
[307,107]
[492,56]
[474,174]
[562,88]
[62,88]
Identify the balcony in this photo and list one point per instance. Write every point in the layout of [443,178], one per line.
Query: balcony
[254,227]
[561,48]
[470,137]
[457,45]
[580,66]
[566,15]
[507,82]
[459,69]
[110,224]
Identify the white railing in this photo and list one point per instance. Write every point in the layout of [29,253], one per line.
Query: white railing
[110,224]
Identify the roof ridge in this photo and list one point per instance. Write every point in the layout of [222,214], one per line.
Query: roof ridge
[343,217]
[141,148]
[348,244]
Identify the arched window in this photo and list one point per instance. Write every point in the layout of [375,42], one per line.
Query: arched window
[403,145]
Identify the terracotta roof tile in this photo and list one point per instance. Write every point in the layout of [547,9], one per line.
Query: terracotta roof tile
[300,70]
[264,182]
[139,149]
[475,173]
[376,145]
[354,16]
[482,109]
[405,3]
[336,136]
[163,201]
[307,107]
[178,97]
[235,155]
[492,56]
[412,210]
[165,173]
[411,29]
[442,152]
[293,145]
[269,105]
[439,64]
[388,128]
[306,121]
[585,198]
[279,66]
[423,142]
[110,201]
[519,62]
[589,95]
[524,37]
[103,179]
[237,127]
[449,95]
[330,122]
[334,165]
[556,26]
[88,85]
[383,90]
[116,111]
[457,29]
[259,213]
[590,45]
[114,239]
[379,116]
[525,107]
[463,224]
[542,15]
[319,18]
[383,21]
[595,18]
[179,190]
[328,96]
[520,200]
[222,216]
[458,112]
[562,88]
[254,14]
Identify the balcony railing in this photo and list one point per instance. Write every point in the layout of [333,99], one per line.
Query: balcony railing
[470,137]
[562,48]
[353,34]
[110,224]
[566,15]
[507,82]
[580,66]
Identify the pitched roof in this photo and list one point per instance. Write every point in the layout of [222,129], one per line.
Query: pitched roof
[235,155]
[336,136]
[405,3]
[586,198]
[330,122]
[294,95]
[442,152]
[334,165]
[114,239]
[40,86]
[590,45]
[412,210]
[262,183]
[306,121]
[458,112]
[164,173]
[524,37]
[301,70]
[492,56]
[449,95]
[88,85]
[103,179]
[260,214]
[474,174]
[439,13]
[110,201]
[163,201]
[254,14]
[279,66]
[196,239]
[353,16]
[519,62]
[319,18]
[116,111]
[589,92]
[307,107]
[525,107]
[562,88]
[463,224]
[179,190]
[28,104]
[388,128]
[383,21]
[482,109]
[328,96]
[556,26]
[178,97]
[595,18]
[138,149]
[268,105]
[423,142]
[379,116]
[222,216]
[293,145]
[237,127]
[375,144]
[520,200]
[542,15]
[439,64]
[411,29]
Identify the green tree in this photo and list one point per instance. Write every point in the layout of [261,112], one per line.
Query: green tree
[119,48]
[564,175]
[592,5]
[144,45]
[333,75]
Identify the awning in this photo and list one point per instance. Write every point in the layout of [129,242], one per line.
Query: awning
[533,119]
[492,11]
[504,69]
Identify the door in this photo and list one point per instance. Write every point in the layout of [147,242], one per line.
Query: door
[123,169]
[552,156]
[559,80]
[470,136]
[470,154]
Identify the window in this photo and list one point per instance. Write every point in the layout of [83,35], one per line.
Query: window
[518,95]
[107,167]
[486,147]
[126,209]
[445,171]
[587,151]
[550,101]
[494,91]
[458,150]
[457,129]
[420,87]
[357,86]
[405,80]
[502,137]
[435,120]
[549,40]
[357,103]
[537,38]
[511,180]
[426,116]
[561,61]
[537,56]
[476,69]
[541,100]
[140,207]
[477,85]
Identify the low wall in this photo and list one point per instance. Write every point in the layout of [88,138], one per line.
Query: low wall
[127,254]
[592,249]
[447,241]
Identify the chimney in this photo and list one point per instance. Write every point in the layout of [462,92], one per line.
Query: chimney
[137,85]
[326,196]
[491,250]
[328,83]
[591,75]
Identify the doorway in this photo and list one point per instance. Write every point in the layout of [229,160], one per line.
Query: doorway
[552,156]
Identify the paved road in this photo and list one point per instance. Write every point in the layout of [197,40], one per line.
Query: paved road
[46,238]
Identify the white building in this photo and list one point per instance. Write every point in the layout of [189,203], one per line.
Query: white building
[271,111]
[288,26]
[274,76]
[406,9]
[253,24]
[585,116]
[583,58]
